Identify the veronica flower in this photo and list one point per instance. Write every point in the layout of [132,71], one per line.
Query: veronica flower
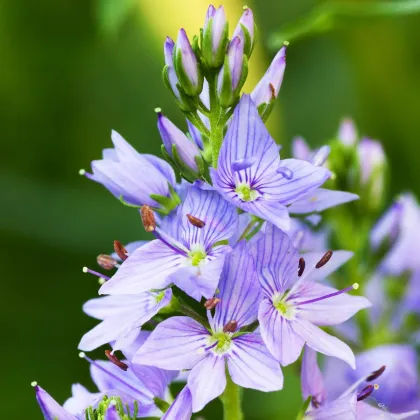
[399,225]
[183,343]
[294,304]
[122,317]
[320,199]
[191,257]
[136,387]
[246,30]
[251,175]
[399,385]
[348,402]
[132,176]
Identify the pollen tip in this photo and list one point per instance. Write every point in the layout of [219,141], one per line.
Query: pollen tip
[34,384]
[355,286]
[85,269]
[245,7]
[82,172]
[286,43]
[376,386]
[82,355]
[158,110]
[101,281]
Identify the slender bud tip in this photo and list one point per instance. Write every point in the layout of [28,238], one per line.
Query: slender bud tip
[286,43]
[355,286]
[85,269]
[82,172]
[34,384]
[158,110]
[82,355]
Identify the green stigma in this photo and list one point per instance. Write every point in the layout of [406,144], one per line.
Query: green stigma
[286,309]
[282,308]
[223,342]
[196,257]
[246,193]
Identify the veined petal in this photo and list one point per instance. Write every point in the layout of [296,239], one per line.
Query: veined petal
[278,334]
[176,343]
[275,252]
[50,408]
[322,342]
[251,365]
[147,268]
[306,178]
[344,409]
[312,380]
[163,167]
[207,381]
[239,291]
[331,311]
[181,408]
[320,200]
[220,217]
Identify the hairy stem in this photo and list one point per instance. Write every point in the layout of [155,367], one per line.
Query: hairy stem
[231,399]
[216,128]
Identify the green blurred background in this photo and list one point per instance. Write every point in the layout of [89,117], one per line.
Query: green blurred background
[73,69]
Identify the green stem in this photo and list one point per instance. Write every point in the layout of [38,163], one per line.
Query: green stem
[216,129]
[231,399]
[327,15]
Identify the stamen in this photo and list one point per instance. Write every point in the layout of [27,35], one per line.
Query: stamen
[120,250]
[244,163]
[106,261]
[231,327]
[273,91]
[82,172]
[327,256]
[120,379]
[195,221]
[170,242]
[355,286]
[95,273]
[376,374]
[366,392]
[301,267]
[286,172]
[34,384]
[148,218]
[114,359]
[211,303]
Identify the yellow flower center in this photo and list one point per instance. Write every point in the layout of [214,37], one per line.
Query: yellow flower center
[246,193]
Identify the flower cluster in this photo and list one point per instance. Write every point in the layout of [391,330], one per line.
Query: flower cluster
[239,279]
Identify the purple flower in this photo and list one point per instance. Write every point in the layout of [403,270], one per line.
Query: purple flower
[188,70]
[399,386]
[251,175]
[181,342]
[321,199]
[268,87]
[187,256]
[132,176]
[181,408]
[122,317]
[349,398]
[233,73]
[215,36]
[347,132]
[246,31]
[294,304]
[173,136]
[196,135]
[50,408]
[399,225]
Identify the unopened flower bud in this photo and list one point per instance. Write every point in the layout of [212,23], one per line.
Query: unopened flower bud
[186,150]
[233,74]
[171,79]
[268,87]
[372,170]
[215,36]
[246,30]
[347,132]
[148,218]
[195,135]
[188,70]
[106,261]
